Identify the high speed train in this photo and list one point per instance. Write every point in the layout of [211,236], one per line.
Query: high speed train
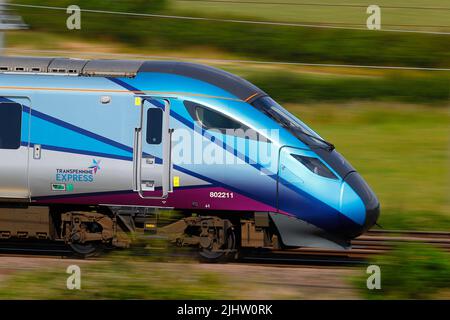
[91,150]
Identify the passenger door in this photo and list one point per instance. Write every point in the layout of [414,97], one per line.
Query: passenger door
[152,165]
[14,138]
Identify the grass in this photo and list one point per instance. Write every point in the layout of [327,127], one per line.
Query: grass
[401,150]
[119,277]
[124,275]
[410,271]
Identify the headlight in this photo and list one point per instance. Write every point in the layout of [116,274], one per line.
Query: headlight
[315,165]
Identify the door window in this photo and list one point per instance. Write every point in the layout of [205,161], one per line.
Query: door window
[154,126]
[10,125]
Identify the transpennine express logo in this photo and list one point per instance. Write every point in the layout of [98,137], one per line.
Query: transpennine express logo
[95,165]
[79,175]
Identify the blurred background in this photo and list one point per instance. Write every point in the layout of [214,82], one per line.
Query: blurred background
[382,97]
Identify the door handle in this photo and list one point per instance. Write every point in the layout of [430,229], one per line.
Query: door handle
[135,159]
[37,152]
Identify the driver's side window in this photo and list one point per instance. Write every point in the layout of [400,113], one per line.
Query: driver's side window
[210,119]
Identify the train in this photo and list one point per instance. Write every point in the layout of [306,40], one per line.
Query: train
[93,151]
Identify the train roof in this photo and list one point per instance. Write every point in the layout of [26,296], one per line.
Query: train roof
[130,68]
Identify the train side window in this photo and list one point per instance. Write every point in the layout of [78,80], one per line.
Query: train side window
[10,125]
[211,119]
[154,126]
[214,120]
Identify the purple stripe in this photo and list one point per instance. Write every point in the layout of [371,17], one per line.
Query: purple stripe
[189,198]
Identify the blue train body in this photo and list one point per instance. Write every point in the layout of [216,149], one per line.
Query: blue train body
[86,139]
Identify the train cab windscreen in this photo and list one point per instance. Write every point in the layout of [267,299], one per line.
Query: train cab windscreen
[305,134]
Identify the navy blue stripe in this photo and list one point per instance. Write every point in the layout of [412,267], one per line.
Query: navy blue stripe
[156,103]
[77,129]
[125,85]
[77,151]
[26,109]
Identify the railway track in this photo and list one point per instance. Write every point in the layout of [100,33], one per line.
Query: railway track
[371,243]
[34,248]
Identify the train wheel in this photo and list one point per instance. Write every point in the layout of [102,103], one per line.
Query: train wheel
[86,232]
[86,250]
[211,254]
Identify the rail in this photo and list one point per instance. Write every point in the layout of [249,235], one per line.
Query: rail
[367,245]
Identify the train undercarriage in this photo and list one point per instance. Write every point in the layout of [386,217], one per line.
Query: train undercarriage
[89,230]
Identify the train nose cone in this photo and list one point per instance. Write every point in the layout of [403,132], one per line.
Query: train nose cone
[371,217]
[368,197]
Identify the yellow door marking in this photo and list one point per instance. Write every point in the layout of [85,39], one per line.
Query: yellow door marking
[176,181]
[137,101]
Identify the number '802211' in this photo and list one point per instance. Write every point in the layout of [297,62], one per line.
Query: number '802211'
[221,195]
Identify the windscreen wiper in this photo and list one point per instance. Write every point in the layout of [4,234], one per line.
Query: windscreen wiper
[288,125]
[330,146]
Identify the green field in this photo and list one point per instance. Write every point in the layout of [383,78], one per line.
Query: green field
[122,278]
[314,13]
[159,275]
[163,274]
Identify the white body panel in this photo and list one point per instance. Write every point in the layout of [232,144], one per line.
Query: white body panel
[14,173]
